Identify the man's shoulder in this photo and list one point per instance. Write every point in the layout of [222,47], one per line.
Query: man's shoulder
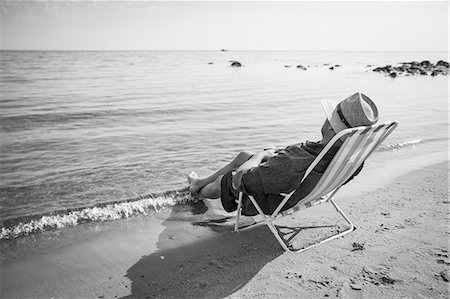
[308,148]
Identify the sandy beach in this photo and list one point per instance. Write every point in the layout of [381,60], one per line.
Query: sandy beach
[399,249]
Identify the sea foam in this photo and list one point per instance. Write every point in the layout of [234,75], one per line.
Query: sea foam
[105,212]
[399,145]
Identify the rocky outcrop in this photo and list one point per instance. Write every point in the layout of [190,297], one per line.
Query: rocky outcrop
[415,68]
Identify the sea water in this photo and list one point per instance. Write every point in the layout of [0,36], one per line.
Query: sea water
[102,135]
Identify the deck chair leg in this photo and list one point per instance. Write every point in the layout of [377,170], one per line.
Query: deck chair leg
[342,213]
[236,225]
[277,235]
[269,222]
[349,230]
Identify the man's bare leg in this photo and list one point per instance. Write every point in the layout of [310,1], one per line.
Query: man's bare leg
[213,189]
[197,184]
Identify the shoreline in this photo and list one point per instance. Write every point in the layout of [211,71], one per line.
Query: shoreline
[190,251]
[151,203]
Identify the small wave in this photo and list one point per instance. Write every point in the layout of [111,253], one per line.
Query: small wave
[14,79]
[399,145]
[16,123]
[15,228]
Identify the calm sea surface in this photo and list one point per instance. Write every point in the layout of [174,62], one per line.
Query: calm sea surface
[84,128]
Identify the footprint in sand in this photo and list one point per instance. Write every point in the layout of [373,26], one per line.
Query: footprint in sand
[442,255]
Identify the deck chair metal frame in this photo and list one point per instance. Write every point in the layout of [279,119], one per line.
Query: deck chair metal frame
[358,145]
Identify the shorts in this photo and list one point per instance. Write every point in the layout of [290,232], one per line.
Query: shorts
[228,195]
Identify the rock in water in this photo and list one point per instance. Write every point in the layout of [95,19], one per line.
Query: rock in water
[435,73]
[301,67]
[415,68]
[425,63]
[443,63]
[235,63]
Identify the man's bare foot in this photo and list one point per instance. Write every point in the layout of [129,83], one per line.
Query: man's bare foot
[194,186]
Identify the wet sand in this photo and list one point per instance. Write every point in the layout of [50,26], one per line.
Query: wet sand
[399,249]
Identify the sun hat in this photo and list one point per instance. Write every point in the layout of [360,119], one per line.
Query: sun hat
[356,110]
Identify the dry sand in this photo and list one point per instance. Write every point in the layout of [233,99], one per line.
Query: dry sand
[399,250]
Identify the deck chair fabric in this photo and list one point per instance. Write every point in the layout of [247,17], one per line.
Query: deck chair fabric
[358,144]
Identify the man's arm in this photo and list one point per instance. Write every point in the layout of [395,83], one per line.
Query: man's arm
[254,161]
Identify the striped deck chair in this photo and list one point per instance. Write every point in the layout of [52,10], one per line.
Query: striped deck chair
[358,144]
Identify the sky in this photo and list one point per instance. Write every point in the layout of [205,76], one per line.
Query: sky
[213,25]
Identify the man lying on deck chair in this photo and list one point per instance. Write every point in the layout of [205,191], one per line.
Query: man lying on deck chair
[266,174]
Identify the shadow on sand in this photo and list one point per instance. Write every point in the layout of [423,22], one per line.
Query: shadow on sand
[199,257]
